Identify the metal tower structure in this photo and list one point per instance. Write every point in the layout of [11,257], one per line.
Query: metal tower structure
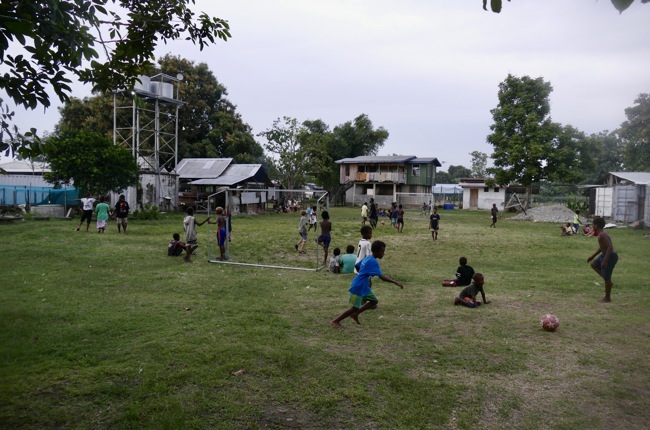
[145,121]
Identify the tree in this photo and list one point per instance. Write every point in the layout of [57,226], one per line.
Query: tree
[290,159]
[522,133]
[479,163]
[620,5]
[635,135]
[608,155]
[348,140]
[443,178]
[90,161]
[209,124]
[458,172]
[60,40]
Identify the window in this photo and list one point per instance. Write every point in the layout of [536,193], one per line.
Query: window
[496,189]
[486,189]
[416,171]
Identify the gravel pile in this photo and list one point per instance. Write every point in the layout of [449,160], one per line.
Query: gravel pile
[550,213]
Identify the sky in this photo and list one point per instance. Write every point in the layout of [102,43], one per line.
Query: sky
[427,71]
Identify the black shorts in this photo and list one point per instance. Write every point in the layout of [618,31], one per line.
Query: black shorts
[87,215]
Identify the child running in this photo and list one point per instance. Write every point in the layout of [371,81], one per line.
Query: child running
[360,290]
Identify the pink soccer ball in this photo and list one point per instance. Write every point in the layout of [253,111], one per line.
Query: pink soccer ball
[550,322]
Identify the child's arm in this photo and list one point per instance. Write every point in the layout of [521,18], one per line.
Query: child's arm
[387,279]
[486,301]
[203,222]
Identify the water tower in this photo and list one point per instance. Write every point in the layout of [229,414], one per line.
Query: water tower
[145,121]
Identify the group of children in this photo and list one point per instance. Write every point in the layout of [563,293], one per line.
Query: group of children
[176,246]
[104,212]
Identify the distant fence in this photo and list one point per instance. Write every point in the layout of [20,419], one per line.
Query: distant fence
[13,195]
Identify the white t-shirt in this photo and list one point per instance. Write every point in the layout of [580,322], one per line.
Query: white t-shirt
[189,226]
[88,203]
[364,249]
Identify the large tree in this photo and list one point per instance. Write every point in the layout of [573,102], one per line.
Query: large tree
[90,161]
[635,135]
[289,158]
[347,140]
[60,41]
[522,133]
[210,125]
[479,164]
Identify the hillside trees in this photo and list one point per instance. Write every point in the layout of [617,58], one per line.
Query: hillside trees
[635,135]
[58,41]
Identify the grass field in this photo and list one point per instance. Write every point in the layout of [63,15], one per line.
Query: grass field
[107,332]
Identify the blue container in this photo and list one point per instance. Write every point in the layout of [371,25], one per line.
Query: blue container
[448,206]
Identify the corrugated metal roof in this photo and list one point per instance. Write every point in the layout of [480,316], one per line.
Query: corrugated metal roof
[426,160]
[385,159]
[25,180]
[199,168]
[235,174]
[639,178]
[25,166]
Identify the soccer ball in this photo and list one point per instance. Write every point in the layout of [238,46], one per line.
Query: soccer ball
[549,322]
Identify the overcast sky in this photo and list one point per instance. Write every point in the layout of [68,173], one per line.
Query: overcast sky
[425,70]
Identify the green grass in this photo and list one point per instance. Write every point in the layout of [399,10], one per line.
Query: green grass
[106,331]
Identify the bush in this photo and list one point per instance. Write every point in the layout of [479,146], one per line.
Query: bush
[148,212]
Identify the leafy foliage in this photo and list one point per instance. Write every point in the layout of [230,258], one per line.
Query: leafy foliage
[290,158]
[479,163]
[60,40]
[522,133]
[635,135]
[90,161]
[148,212]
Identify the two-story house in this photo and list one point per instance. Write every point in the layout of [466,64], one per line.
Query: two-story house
[388,179]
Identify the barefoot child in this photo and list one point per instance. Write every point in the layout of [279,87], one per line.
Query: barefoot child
[222,234]
[464,275]
[302,231]
[176,247]
[360,290]
[467,296]
[604,265]
[325,238]
[189,227]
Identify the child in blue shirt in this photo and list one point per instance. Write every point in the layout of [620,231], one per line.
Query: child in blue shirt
[361,295]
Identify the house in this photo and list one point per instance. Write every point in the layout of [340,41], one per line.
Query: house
[204,177]
[625,197]
[478,195]
[406,179]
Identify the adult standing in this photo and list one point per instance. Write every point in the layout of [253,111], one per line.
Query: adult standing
[88,202]
[122,213]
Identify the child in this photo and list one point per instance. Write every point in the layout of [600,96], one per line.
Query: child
[604,265]
[587,230]
[467,296]
[103,211]
[364,247]
[576,222]
[348,260]
[434,223]
[567,230]
[494,212]
[302,231]
[189,227]
[400,219]
[464,275]
[335,266]
[122,213]
[360,290]
[364,213]
[325,238]
[87,215]
[313,217]
[176,247]
[221,232]
[393,215]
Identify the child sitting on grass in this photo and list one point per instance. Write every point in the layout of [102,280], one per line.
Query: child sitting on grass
[348,260]
[464,275]
[467,296]
[176,247]
[335,266]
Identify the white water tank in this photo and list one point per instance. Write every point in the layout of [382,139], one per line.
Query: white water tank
[144,84]
[162,89]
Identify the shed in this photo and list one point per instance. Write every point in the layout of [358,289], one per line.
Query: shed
[477,195]
[630,196]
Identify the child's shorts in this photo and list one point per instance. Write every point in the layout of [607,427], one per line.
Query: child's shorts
[607,271]
[357,301]
[324,239]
